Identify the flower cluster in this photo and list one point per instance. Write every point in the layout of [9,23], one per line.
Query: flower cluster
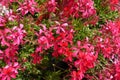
[85,56]
[51,6]
[114,4]
[110,72]
[109,45]
[11,39]
[39,37]
[28,6]
[63,40]
[109,42]
[60,44]
[2,21]
[79,8]
[9,71]
[45,41]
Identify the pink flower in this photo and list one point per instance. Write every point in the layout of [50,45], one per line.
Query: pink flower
[4,2]
[2,21]
[3,36]
[117,74]
[11,16]
[86,57]
[76,75]
[80,8]
[51,6]
[9,71]
[110,72]
[11,38]
[28,6]
[87,8]
[17,34]
[63,40]
[45,39]
[110,39]
[10,54]
[36,58]
[114,4]
[85,61]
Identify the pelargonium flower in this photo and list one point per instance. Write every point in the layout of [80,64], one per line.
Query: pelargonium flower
[7,13]
[109,44]
[13,36]
[45,39]
[117,70]
[110,72]
[36,58]
[80,8]
[5,2]
[11,16]
[2,21]
[107,73]
[87,8]
[86,57]
[28,6]
[51,6]
[85,61]
[77,75]
[10,54]
[62,41]
[59,43]
[9,71]
[3,36]
[61,46]
[17,34]
[70,8]
[114,4]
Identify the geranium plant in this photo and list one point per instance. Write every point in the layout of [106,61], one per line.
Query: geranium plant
[59,40]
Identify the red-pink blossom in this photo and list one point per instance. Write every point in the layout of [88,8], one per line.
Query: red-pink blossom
[80,8]
[4,2]
[86,57]
[45,39]
[11,16]
[108,43]
[63,40]
[117,74]
[2,21]
[36,58]
[11,38]
[110,72]
[114,4]
[77,75]
[51,6]
[9,71]
[28,6]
